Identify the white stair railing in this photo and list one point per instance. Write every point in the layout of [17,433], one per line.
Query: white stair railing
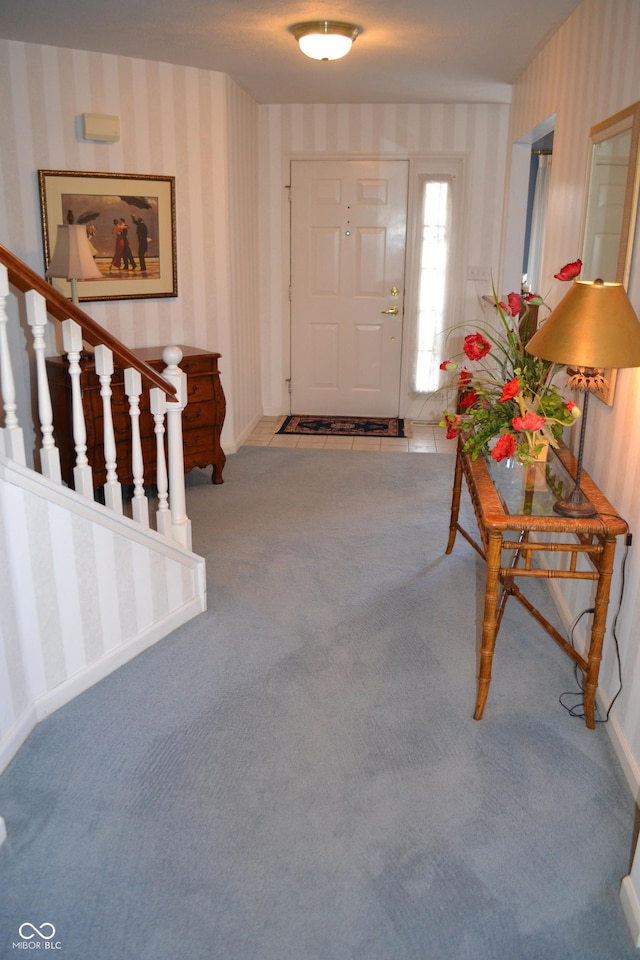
[139,502]
[104,371]
[180,523]
[82,473]
[12,438]
[37,320]
[158,405]
[171,516]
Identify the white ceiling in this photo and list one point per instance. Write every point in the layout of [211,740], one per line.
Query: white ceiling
[410,51]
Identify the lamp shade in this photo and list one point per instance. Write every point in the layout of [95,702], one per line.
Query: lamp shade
[325,39]
[594,325]
[72,259]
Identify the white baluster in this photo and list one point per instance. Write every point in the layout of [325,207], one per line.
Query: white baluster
[139,503]
[112,487]
[180,523]
[49,453]
[158,406]
[13,440]
[82,473]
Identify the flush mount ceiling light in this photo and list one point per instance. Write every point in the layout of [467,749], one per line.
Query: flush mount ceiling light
[325,39]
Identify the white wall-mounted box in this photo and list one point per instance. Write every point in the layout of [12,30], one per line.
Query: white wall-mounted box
[101,127]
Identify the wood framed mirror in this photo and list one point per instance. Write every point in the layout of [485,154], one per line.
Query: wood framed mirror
[613,180]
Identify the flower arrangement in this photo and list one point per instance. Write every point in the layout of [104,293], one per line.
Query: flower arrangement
[507,403]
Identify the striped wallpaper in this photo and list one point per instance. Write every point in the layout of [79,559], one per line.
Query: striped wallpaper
[201,128]
[231,160]
[476,132]
[195,125]
[81,591]
[588,71]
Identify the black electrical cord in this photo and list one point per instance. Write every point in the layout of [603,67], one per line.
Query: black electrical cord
[579,706]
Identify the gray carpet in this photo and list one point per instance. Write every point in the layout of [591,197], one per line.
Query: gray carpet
[296,775]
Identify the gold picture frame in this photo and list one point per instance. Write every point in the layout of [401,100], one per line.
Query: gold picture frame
[131,226]
[611,207]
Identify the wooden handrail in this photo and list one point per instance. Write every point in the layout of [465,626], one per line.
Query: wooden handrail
[24,278]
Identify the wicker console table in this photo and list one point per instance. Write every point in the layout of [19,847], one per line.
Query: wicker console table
[508,512]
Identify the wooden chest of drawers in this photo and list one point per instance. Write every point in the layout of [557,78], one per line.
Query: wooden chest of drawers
[202,419]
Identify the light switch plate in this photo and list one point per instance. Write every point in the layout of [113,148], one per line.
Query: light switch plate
[478,273]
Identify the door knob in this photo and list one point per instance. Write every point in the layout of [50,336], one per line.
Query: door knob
[392,311]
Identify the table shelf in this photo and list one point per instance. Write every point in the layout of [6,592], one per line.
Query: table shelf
[509,515]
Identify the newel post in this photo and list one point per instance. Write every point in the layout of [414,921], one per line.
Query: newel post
[180,523]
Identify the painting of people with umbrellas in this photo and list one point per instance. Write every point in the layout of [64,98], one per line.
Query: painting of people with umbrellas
[130,229]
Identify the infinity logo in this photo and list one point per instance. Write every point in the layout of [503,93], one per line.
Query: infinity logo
[40,932]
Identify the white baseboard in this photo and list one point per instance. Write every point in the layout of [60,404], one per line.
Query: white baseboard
[17,735]
[113,659]
[631,908]
[233,444]
[275,412]
[623,751]
[629,898]
[620,744]
[62,694]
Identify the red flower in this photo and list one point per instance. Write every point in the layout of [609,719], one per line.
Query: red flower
[530,421]
[515,304]
[509,390]
[570,271]
[448,365]
[453,427]
[476,346]
[504,448]
[468,399]
[464,379]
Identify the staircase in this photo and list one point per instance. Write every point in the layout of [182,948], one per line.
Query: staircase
[86,583]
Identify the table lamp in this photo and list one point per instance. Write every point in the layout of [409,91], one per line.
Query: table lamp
[593,327]
[72,259]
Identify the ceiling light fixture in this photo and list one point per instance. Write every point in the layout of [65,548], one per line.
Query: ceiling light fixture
[325,39]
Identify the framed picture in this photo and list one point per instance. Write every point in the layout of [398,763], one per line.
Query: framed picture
[130,221]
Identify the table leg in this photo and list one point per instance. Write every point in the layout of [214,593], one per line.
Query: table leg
[490,620]
[455,501]
[598,627]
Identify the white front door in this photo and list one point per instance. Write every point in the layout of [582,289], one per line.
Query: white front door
[348,235]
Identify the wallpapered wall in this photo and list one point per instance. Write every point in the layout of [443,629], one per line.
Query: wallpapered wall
[195,125]
[231,161]
[589,70]
[316,131]
[78,598]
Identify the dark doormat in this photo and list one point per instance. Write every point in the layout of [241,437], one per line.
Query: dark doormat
[344,426]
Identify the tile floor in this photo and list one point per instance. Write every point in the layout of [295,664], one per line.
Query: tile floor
[422,438]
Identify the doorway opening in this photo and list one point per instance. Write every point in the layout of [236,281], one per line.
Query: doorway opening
[539,177]
[519,229]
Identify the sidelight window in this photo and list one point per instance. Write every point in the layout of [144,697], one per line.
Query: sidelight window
[434,268]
